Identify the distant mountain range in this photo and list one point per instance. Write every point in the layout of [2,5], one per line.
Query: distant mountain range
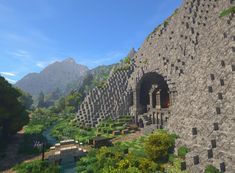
[55,76]
[65,76]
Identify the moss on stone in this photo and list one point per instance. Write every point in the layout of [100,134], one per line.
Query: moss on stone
[228,11]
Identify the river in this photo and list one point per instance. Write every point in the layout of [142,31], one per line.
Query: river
[65,167]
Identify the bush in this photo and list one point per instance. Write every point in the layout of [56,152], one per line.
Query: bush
[211,169]
[227,12]
[37,167]
[182,151]
[159,145]
[27,144]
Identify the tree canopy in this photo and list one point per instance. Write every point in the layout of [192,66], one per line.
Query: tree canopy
[13,115]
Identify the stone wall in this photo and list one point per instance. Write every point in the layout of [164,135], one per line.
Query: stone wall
[195,52]
[111,100]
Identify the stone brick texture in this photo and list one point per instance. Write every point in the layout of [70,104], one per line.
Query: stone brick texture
[194,50]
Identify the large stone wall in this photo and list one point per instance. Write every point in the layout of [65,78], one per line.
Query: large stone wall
[195,53]
[111,100]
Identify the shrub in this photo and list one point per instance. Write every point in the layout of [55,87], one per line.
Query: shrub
[165,23]
[182,151]
[158,146]
[147,166]
[36,167]
[227,12]
[211,169]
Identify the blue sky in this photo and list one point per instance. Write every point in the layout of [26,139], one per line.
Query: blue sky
[35,33]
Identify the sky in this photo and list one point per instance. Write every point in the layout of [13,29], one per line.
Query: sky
[36,33]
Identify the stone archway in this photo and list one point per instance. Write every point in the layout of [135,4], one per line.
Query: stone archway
[153,92]
[152,99]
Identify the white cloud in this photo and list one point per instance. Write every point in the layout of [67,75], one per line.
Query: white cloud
[43,64]
[21,53]
[8,73]
[40,65]
[10,80]
[110,57]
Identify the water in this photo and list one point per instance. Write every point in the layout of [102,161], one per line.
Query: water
[65,167]
[47,134]
[68,168]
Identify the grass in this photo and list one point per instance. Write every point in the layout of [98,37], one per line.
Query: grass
[228,11]
[126,157]
[37,167]
[66,129]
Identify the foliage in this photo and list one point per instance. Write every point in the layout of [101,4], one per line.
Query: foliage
[228,11]
[26,146]
[115,159]
[25,99]
[12,113]
[182,151]
[127,60]
[69,103]
[41,101]
[158,145]
[211,169]
[165,24]
[66,129]
[108,126]
[37,167]
[41,119]
[52,97]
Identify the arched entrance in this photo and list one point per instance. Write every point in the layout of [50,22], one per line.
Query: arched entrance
[152,100]
[153,92]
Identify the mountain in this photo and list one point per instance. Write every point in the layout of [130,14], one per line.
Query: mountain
[55,76]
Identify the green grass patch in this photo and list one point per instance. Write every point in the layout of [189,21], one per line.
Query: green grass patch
[182,151]
[37,167]
[211,169]
[228,11]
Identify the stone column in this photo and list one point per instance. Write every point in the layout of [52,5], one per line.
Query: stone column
[154,118]
[150,99]
[158,99]
[135,105]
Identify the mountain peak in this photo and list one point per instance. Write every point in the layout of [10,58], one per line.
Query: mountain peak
[55,75]
[69,60]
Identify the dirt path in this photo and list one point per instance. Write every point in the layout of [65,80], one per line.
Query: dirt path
[129,137]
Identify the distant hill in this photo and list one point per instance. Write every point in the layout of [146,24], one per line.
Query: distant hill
[55,76]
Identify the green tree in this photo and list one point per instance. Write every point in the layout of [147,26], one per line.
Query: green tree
[13,115]
[72,101]
[26,99]
[158,146]
[41,101]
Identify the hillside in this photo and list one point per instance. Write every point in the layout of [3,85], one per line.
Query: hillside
[56,75]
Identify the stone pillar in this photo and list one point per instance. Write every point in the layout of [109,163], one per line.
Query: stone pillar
[158,99]
[150,99]
[135,105]
[154,118]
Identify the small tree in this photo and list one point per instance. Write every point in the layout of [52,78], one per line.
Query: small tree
[41,101]
[158,146]
[182,151]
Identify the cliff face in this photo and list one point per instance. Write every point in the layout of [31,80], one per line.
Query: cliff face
[56,75]
[194,51]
